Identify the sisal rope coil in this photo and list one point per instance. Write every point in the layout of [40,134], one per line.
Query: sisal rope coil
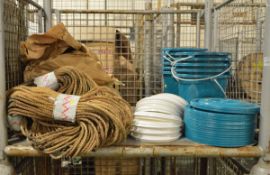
[103,118]
[71,81]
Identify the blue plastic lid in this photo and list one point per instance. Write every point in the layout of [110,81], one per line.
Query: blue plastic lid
[225,106]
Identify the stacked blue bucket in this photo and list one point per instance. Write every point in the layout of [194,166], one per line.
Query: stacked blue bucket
[195,73]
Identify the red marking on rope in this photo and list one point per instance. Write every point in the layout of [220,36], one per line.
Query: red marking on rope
[66,108]
[46,80]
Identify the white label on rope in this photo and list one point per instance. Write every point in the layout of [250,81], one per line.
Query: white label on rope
[48,80]
[266,61]
[65,107]
[15,122]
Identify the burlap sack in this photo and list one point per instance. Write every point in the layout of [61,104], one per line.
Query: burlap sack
[80,60]
[43,46]
[44,53]
[105,52]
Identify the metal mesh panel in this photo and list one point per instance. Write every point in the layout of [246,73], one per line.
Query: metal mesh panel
[128,43]
[239,32]
[13,24]
[240,26]
[130,166]
[36,166]
[20,20]
[227,166]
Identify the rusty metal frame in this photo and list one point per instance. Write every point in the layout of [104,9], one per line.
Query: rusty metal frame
[132,148]
[140,12]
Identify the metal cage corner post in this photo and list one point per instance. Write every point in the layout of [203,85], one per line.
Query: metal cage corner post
[48,14]
[198,29]
[3,127]
[5,167]
[264,136]
[169,20]
[208,24]
[148,32]
[215,31]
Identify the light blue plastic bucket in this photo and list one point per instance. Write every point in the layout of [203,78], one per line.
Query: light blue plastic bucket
[196,74]
[202,89]
[198,65]
[170,85]
[196,70]
[196,89]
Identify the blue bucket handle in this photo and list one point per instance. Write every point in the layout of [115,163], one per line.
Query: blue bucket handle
[177,78]
[197,79]
[171,59]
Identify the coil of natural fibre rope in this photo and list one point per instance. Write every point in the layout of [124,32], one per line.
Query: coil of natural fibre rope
[102,118]
[71,81]
[68,80]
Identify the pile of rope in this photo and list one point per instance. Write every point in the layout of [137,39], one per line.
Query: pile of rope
[102,118]
[71,81]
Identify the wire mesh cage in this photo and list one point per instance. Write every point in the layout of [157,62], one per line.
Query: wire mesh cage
[21,19]
[127,37]
[129,42]
[131,166]
[240,30]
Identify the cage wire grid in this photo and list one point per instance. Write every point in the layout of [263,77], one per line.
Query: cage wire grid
[138,29]
[123,37]
[240,31]
[21,19]
[131,166]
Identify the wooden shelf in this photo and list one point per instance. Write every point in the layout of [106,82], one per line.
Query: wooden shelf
[133,148]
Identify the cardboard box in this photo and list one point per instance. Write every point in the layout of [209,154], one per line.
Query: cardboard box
[114,52]
[109,44]
[106,54]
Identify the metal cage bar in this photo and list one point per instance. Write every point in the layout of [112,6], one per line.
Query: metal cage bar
[243,37]
[48,13]
[19,18]
[208,24]
[148,34]
[264,137]
[3,126]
